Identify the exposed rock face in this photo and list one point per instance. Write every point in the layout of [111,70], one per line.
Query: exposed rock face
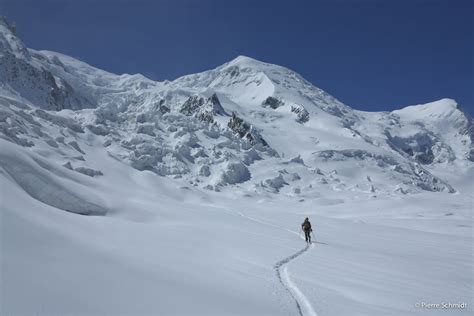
[203,109]
[216,105]
[244,130]
[238,126]
[426,181]
[272,102]
[468,130]
[35,83]
[89,172]
[164,109]
[302,115]
[192,105]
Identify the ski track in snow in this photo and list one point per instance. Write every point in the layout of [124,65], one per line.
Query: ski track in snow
[302,303]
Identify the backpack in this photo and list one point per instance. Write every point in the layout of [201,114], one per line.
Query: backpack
[306,225]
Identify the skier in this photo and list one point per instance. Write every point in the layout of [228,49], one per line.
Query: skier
[306,227]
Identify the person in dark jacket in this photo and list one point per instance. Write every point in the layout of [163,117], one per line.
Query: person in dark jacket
[306,227]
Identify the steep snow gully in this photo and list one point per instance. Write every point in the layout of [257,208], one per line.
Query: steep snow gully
[303,305]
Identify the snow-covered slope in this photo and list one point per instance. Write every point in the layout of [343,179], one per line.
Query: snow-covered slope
[177,171]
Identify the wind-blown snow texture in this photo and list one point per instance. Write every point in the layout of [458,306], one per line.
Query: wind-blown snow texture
[201,182]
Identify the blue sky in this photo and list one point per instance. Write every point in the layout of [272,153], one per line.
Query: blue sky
[372,55]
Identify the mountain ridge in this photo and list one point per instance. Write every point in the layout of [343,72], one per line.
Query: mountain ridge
[246,123]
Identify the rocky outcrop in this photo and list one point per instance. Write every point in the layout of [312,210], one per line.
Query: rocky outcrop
[302,115]
[39,85]
[89,172]
[272,102]
[203,109]
[245,130]
[192,105]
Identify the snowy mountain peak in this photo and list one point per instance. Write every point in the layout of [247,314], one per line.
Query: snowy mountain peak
[245,61]
[273,72]
[250,82]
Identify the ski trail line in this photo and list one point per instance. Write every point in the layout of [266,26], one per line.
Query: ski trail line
[302,303]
